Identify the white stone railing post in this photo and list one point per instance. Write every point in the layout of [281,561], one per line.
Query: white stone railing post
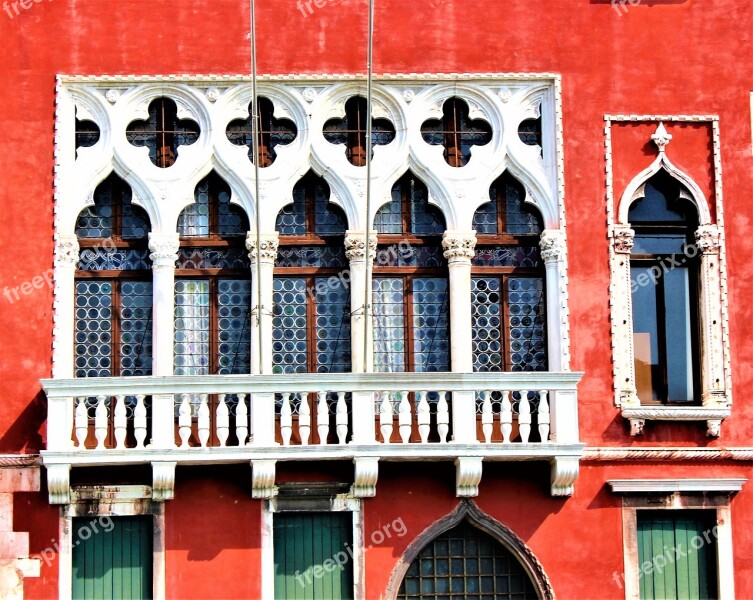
[262,406]
[164,253]
[361,332]
[66,259]
[459,249]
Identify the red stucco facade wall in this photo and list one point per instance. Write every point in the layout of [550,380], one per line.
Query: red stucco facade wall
[660,57]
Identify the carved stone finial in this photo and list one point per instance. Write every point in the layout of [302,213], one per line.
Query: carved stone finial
[164,249]
[707,238]
[636,426]
[355,245]
[623,240]
[459,245]
[552,244]
[268,246]
[661,137]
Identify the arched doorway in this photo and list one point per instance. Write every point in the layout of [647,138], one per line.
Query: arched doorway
[469,555]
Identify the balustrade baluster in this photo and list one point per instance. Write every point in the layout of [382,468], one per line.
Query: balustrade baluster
[404,417]
[304,419]
[223,420]
[120,422]
[203,420]
[139,421]
[385,417]
[443,417]
[487,416]
[341,417]
[81,423]
[184,420]
[322,418]
[505,417]
[524,417]
[241,420]
[544,418]
[100,422]
[423,416]
[286,420]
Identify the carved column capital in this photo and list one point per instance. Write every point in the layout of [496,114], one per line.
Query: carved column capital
[623,239]
[708,239]
[355,245]
[268,246]
[459,246]
[66,251]
[552,244]
[164,249]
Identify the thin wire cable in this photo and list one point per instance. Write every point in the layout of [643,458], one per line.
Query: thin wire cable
[369,82]
[255,147]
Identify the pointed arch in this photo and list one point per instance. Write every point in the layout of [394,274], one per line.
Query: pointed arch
[469,512]
[636,187]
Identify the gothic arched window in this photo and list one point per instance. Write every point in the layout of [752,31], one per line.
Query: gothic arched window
[411,291]
[664,286]
[113,320]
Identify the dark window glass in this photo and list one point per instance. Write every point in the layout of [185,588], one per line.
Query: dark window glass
[351,131]
[271,132]
[457,132]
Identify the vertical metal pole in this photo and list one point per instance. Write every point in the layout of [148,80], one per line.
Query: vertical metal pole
[369,85]
[255,150]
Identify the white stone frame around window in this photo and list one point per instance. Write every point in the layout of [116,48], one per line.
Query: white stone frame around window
[676,494]
[99,501]
[338,503]
[716,385]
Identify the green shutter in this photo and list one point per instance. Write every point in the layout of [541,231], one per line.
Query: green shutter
[681,550]
[304,541]
[114,564]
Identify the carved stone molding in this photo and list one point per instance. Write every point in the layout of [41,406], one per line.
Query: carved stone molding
[468,472]
[366,475]
[163,481]
[59,483]
[263,479]
[459,246]
[355,246]
[552,244]
[268,246]
[623,239]
[468,511]
[564,472]
[163,249]
[667,454]
[708,239]
[712,414]
[66,251]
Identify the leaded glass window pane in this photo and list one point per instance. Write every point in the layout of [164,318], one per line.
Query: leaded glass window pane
[191,349]
[431,324]
[162,132]
[289,325]
[196,257]
[507,256]
[96,221]
[519,218]
[328,218]
[389,325]
[527,339]
[234,326]
[389,218]
[110,258]
[485,218]
[94,312]
[291,220]
[332,326]
[468,564]
[486,294]
[407,255]
[311,256]
[113,195]
[136,328]
[425,219]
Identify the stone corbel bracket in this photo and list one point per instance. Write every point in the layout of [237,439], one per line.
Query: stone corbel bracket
[263,479]
[564,473]
[366,475]
[468,471]
[163,481]
[59,483]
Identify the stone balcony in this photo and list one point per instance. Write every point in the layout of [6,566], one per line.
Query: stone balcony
[263,419]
